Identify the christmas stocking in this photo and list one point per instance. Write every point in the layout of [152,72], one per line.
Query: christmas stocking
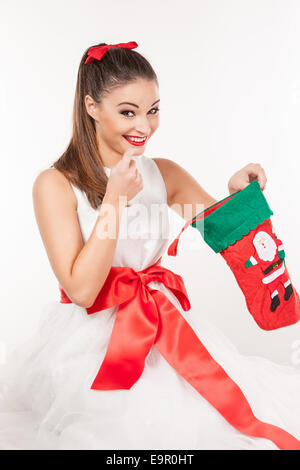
[240,229]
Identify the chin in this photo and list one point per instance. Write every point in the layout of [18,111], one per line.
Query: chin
[137,150]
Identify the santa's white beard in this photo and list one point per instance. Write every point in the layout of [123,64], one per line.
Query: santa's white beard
[265,246]
[266,253]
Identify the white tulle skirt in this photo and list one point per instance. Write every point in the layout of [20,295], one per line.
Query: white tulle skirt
[46,401]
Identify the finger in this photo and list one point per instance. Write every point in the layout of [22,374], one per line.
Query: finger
[256,172]
[127,158]
[261,178]
[132,164]
[129,152]
[243,184]
[133,172]
[253,166]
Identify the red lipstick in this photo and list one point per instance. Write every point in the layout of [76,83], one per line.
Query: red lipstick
[135,143]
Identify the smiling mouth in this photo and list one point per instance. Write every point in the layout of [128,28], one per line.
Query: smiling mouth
[132,140]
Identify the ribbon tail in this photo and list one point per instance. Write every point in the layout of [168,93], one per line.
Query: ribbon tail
[181,347]
[172,250]
[131,340]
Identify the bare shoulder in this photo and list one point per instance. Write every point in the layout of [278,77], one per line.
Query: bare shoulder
[53,185]
[172,174]
[183,188]
[169,168]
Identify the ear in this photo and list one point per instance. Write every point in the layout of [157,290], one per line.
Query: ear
[90,106]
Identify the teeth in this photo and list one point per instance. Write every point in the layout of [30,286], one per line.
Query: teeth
[135,139]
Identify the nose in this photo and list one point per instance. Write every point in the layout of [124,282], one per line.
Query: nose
[142,126]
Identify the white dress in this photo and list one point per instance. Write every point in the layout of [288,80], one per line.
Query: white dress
[46,400]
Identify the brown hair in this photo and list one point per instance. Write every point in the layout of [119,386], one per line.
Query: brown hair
[81,162]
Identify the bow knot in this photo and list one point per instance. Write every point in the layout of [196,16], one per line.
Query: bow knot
[97,52]
[144,278]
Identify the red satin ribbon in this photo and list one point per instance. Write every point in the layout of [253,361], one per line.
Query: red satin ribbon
[97,52]
[145,317]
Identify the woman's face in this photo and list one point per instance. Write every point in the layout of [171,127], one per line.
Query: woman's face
[137,117]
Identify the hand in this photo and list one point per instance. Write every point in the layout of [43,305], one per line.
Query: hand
[124,179]
[242,178]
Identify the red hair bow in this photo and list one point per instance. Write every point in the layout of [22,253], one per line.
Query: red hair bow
[97,52]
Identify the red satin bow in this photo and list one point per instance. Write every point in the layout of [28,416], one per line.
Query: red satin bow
[97,52]
[146,317]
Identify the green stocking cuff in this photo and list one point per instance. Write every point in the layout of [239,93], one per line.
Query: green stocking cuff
[234,218]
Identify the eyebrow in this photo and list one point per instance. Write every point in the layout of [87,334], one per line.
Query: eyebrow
[132,104]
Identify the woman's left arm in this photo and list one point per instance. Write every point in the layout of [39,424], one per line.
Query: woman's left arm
[187,197]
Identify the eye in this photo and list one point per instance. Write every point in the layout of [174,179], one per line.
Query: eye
[129,111]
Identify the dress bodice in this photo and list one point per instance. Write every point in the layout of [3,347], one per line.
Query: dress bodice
[144,225]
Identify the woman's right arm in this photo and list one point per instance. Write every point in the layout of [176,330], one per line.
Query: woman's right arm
[81,269]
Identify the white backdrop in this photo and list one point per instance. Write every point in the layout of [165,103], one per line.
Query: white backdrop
[229,74]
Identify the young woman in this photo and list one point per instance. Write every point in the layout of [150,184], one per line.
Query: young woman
[78,384]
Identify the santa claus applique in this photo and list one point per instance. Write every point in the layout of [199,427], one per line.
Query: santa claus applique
[270,256]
